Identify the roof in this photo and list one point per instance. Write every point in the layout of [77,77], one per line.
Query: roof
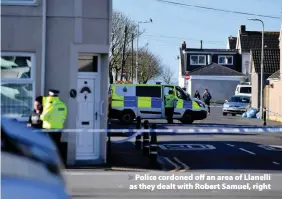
[275,75]
[232,42]
[252,40]
[210,50]
[271,61]
[215,69]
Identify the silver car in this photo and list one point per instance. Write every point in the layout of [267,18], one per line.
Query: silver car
[236,105]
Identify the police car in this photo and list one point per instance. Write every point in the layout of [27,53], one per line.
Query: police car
[128,101]
[31,167]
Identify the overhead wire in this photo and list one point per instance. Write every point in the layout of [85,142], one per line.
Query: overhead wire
[216,9]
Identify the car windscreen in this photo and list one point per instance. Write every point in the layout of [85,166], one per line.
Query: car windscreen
[239,99]
[246,90]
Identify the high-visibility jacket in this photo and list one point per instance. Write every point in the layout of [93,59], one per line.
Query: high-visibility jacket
[170,101]
[54,113]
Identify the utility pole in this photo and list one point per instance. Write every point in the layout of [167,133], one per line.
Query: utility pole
[132,62]
[123,53]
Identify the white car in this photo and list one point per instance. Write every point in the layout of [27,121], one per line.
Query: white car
[244,89]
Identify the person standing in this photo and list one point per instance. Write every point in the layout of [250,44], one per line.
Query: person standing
[34,119]
[197,95]
[169,106]
[53,116]
[207,98]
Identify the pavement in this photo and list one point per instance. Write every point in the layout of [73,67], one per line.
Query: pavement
[187,154]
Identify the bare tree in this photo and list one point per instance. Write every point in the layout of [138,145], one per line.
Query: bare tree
[120,21]
[149,66]
[167,75]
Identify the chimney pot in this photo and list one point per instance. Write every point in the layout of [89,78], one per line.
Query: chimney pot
[183,45]
[242,28]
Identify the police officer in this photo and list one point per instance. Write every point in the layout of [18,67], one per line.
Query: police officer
[53,116]
[169,106]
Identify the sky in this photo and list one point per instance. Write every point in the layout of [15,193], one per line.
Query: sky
[174,24]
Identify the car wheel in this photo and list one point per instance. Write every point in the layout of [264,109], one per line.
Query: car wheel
[127,117]
[187,119]
[224,114]
[233,114]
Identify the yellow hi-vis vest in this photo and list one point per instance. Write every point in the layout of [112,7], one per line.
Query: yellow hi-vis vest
[169,101]
[54,113]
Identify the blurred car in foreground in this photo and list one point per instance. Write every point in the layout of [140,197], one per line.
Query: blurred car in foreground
[236,105]
[31,167]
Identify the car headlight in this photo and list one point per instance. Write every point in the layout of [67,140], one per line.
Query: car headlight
[225,105]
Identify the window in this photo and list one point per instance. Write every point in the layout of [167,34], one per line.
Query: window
[167,89]
[148,91]
[197,60]
[17,84]
[88,63]
[181,94]
[247,90]
[19,2]
[226,60]
[239,99]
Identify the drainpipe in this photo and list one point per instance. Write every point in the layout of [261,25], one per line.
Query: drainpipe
[43,48]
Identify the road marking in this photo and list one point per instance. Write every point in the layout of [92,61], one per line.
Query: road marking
[247,151]
[270,148]
[176,167]
[187,147]
[276,163]
[186,167]
[230,145]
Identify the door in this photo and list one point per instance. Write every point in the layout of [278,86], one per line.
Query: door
[165,90]
[183,103]
[149,101]
[87,143]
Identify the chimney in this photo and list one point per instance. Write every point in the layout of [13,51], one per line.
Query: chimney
[183,45]
[201,44]
[242,28]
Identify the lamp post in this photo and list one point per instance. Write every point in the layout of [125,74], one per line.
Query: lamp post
[136,69]
[261,68]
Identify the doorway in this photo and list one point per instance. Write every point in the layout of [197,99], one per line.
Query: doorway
[88,116]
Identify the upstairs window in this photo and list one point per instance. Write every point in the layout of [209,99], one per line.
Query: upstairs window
[19,2]
[225,60]
[197,60]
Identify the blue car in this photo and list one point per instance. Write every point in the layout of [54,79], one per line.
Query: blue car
[31,167]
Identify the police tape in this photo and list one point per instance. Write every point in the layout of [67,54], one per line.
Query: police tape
[173,131]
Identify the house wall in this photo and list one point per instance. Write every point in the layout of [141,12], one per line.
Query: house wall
[275,93]
[255,91]
[245,63]
[73,27]
[220,90]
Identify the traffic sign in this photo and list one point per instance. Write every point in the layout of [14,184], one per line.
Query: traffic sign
[187,147]
[187,76]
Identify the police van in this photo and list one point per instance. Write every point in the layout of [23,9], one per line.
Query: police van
[128,101]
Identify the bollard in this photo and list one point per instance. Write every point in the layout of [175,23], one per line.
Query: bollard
[264,117]
[109,145]
[146,139]
[153,145]
[138,139]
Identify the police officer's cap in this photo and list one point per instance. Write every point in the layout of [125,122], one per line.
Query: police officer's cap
[53,92]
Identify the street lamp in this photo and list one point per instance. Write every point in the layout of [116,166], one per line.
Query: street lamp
[261,67]
[136,70]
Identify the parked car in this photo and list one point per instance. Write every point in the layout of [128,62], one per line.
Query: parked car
[236,105]
[244,89]
[30,163]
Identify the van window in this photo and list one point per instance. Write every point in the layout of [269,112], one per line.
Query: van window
[180,94]
[246,90]
[148,91]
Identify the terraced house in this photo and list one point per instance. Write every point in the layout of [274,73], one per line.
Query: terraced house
[63,45]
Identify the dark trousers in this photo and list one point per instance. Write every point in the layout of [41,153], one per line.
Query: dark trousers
[61,146]
[208,104]
[169,114]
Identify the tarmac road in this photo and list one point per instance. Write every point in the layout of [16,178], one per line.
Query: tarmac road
[214,154]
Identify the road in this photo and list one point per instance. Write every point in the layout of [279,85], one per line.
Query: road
[185,154]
